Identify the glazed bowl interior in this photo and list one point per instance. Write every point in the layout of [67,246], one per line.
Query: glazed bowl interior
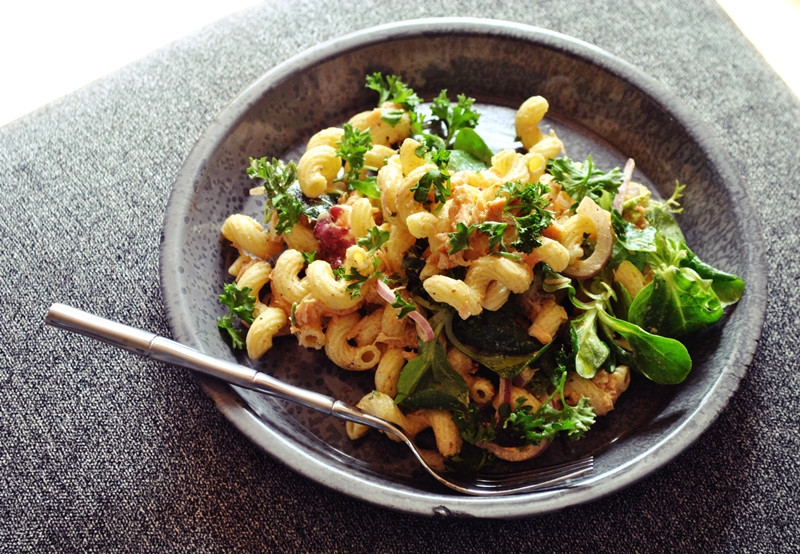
[599,106]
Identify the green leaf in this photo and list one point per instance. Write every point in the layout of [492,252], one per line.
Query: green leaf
[505,364]
[473,425]
[675,303]
[376,237]
[583,179]
[309,257]
[278,178]
[239,301]
[429,381]
[368,187]
[728,287]
[391,88]
[632,244]
[660,214]
[663,220]
[663,360]
[392,117]
[496,331]
[436,179]
[590,351]
[469,141]
[631,237]
[678,300]
[352,148]
[527,205]
[411,374]
[495,231]
[453,118]
[459,239]
[355,279]
[403,305]
[240,304]
[464,161]
[313,208]
[546,422]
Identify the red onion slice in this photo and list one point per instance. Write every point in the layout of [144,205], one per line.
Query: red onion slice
[384,291]
[424,329]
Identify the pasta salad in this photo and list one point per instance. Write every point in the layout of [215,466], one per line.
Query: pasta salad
[501,299]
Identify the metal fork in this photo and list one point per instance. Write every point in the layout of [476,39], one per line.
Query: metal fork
[160,348]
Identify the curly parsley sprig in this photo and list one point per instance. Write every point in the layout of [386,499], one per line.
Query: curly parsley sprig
[278,177]
[240,305]
[547,421]
[352,148]
[451,118]
[436,180]
[391,88]
[584,179]
[527,206]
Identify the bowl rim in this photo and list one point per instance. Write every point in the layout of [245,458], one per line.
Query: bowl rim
[236,410]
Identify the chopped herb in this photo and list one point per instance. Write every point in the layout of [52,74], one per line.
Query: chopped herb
[391,88]
[376,237]
[240,305]
[309,256]
[277,180]
[472,427]
[452,118]
[583,179]
[494,230]
[355,279]
[527,206]
[459,239]
[403,305]
[437,179]
[352,148]
[544,423]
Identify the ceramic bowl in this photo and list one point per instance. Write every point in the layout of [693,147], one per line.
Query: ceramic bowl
[599,105]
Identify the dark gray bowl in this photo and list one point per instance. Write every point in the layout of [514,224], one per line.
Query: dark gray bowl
[600,105]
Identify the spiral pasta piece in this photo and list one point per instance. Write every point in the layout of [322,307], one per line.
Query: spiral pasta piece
[317,169]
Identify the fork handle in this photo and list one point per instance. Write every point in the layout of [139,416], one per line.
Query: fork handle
[151,345]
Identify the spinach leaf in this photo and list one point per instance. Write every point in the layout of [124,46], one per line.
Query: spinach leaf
[496,331]
[461,160]
[507,366]
[429,381]
[469,141]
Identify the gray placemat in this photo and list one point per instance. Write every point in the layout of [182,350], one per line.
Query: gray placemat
[101,451]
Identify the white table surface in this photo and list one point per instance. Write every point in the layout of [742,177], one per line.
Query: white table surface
[50,48]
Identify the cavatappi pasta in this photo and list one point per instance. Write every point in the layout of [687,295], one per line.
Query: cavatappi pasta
[496,296]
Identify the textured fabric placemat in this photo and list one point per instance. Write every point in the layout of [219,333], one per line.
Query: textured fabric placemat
[102,451]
